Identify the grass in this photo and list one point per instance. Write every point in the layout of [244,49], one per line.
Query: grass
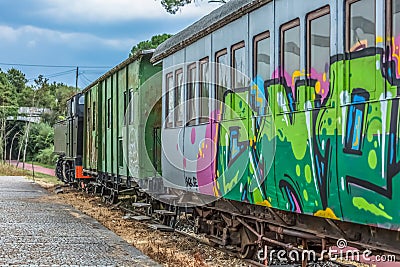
[7,170]
[42,165]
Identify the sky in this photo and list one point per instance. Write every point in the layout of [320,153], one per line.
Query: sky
[95,35]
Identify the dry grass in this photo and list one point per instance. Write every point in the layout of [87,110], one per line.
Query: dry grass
[170,249]
[10,170]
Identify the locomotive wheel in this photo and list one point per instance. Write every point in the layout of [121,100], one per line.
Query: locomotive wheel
[102,190]
[113,197]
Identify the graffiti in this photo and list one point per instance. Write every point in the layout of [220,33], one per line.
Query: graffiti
[191,182]
[336,136]
[394,57]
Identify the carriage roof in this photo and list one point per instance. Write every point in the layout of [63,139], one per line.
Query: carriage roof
[225,14]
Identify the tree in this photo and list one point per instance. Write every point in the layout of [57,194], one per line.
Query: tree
[173,6]
[150,44]
[17,79]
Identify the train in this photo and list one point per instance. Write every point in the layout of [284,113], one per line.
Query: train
[275,121]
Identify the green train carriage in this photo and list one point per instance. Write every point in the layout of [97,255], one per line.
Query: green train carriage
[121,126]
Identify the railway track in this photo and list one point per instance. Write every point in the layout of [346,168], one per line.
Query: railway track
[184,225]
[189,232]
[201,239]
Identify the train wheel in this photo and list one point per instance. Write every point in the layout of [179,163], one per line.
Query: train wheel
[248,252]
[103,190]
[114,197]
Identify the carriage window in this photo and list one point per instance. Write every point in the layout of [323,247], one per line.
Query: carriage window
[81,100]
[191,95]
[109,112]
[88,117]
[131,108]
[319,43]
[361,24]
[291,48]
[125,106]
[178,98]
[94,115]
[169,100]
[222,72]
[262,53]
[239,66]
[120,153]
[73,110]
[204,90]
[396,18]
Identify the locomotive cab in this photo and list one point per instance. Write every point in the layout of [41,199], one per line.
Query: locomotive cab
[68,141]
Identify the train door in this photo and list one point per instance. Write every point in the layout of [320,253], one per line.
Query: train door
[94,126]
[88,130]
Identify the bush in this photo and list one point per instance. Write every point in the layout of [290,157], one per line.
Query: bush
[46,156]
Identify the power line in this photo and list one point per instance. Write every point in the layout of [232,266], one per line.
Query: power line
[53,75]
[86,78]
[52,66]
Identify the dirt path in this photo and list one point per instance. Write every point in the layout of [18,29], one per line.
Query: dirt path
[35,232]
[36,168]
[170,249]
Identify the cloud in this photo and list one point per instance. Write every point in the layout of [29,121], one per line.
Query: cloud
[35,36]
[106,11]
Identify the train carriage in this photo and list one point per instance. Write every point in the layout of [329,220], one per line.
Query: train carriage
[110,139]
[121,128]
[301,117]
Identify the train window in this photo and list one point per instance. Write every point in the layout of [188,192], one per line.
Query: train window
[191,95]
[121,153]
[73,110]
[361,25]
[318,52]
[169,100]
[262,56]
[81,100]
[88,117]
[131,107]
[125,107]
[204,90]
[178,110]
[94,115]
[290,48]
[238,66]
[222,75]
[318,40]
[109,110]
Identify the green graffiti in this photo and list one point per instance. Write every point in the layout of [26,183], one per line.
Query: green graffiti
[307,173]
[335,145]
[299,142]
[305,194]
[363,204]
[372,159]
[298,171]
[229,185]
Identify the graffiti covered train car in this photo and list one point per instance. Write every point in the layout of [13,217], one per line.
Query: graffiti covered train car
[292,105]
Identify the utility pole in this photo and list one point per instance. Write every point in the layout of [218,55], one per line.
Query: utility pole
[76,79]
